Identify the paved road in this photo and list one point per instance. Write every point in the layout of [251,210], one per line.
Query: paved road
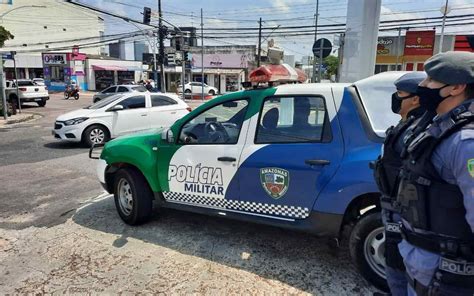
[59,233]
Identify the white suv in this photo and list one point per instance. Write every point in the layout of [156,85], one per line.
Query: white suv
[196,88]
[118,115]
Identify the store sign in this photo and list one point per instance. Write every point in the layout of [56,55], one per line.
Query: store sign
[54,59]
[419,42]
[386,46]
[232,60]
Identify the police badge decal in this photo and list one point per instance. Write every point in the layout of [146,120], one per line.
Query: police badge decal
[275,181]
[470,167]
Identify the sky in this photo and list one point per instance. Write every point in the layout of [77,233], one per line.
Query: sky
[246,13]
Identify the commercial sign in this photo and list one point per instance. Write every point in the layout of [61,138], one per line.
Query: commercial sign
[386,46]
[54,59]
[230,60]
[419,43]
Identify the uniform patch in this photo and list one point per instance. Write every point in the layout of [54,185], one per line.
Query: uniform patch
[275,181]
[470,167]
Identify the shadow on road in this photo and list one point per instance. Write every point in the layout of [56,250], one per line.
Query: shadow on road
[65,145]
[300,260]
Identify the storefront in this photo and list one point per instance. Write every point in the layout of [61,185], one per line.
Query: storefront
[225,71]
[60,69]
[105,71]
[28,67]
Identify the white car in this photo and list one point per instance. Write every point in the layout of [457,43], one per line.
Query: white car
[196,88]
[39,81]
[119,115]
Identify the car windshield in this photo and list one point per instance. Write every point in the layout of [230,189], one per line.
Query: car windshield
[375,93]
[104,102]
[139,88]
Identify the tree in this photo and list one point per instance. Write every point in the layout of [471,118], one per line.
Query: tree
[4,36]
[331,63]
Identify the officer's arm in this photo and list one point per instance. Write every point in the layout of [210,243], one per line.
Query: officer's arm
[463,171]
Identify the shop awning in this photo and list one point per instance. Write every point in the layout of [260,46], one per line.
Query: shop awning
[108,68]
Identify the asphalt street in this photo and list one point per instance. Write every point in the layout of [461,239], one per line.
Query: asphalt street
[60,233]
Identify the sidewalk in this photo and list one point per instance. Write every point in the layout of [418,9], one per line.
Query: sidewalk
[16,118]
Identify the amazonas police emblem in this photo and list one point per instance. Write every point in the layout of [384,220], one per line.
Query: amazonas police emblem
[470,167]
[275,181]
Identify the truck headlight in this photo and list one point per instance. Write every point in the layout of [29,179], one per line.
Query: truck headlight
[75,120]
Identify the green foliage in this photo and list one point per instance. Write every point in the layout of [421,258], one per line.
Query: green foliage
[332,63]
[4,36]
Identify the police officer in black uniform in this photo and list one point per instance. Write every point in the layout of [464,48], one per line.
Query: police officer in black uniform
[436,192]
[405,102]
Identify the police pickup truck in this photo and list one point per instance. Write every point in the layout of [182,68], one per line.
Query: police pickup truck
[294,156]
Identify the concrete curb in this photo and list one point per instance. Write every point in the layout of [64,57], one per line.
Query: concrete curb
[25,117]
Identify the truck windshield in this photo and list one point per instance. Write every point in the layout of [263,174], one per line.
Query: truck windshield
[376,93]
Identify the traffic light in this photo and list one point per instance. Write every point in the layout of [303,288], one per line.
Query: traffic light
[146,15]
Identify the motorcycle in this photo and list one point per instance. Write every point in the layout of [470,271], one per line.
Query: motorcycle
[71,91]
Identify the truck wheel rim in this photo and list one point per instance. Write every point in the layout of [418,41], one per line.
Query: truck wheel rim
[97,136]
[374,251]
[125,197]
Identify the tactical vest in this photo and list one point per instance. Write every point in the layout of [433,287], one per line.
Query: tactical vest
[434,208]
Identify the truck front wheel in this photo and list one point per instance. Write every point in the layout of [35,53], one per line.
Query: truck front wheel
[367,248]
[133,197]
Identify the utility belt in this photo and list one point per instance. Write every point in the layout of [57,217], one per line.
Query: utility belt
[451,248]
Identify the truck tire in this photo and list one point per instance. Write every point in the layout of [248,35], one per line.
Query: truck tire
[42,103]
[133,196]
[95,134]
[367,248]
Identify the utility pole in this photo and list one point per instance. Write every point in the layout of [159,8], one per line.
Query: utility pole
[202,58]
[441,39]
[398,47]
[315,39]
[13,53]
[162,48]
[259,42]
[2,86]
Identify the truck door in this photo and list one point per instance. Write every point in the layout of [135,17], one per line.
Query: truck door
[208,149]
[293,148]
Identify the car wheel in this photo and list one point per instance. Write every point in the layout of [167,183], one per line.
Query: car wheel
[133,197]
[188,91]
[42,103]
[367,248]
[95,134]
[212,92]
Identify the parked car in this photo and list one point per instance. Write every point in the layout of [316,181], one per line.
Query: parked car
[196,88]
[28,91]
[38,81]
[118,115]
[116,89]
[295,156]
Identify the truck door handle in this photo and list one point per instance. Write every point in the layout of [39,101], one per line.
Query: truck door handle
[226,158]
[317,162]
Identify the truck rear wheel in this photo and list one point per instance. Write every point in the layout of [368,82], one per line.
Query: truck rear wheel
[367,248]
[133,197]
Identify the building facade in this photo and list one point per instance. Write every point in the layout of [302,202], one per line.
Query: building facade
[46,26]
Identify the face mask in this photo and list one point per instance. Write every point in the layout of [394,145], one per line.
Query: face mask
[430,98]
[397,102]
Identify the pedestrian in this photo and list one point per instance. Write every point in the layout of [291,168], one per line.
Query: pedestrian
[406,103]
[436,192]
[148,85]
